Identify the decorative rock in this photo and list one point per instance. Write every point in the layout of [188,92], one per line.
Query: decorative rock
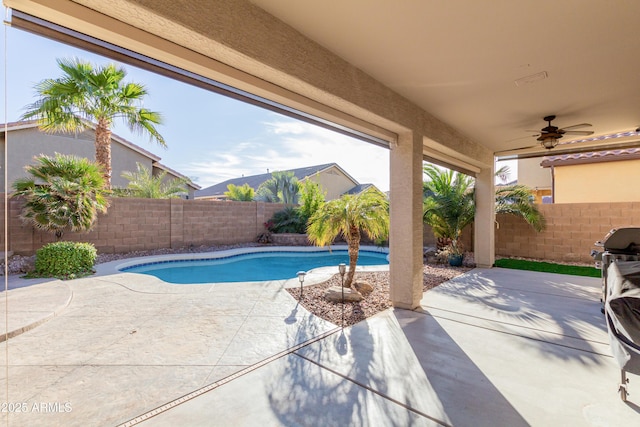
[364,288]
[429,251]
[334,294]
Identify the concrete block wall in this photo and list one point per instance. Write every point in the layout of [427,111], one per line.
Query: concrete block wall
[571,230]
[144,224]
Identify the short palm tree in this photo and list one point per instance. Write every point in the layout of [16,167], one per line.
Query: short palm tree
[144,185]
[86,94]
[243,193]
[449,203]
[282,187]
[517,199]
[349,216]
[63,193]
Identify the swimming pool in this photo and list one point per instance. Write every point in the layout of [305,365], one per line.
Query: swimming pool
[249,267]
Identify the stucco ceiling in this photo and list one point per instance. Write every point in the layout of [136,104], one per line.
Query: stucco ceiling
[460,60]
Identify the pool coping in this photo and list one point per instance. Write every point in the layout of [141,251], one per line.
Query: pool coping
[313,277]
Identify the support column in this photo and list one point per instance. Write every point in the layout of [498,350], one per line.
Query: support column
[405,241]
[484,247]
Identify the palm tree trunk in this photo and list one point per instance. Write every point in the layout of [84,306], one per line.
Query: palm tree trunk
[103,149]
[353,242]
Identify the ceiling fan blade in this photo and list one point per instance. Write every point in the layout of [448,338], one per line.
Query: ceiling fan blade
[581,125]
[522,148]
[578,132]
[523,137]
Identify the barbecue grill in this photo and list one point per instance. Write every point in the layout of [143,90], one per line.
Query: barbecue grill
[619,245]
[620,266]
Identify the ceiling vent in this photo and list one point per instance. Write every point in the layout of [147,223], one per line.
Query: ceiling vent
[532,78]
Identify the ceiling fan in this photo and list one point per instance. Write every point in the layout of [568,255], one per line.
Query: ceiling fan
[550,134]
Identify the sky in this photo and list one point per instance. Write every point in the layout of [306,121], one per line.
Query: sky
[210,138]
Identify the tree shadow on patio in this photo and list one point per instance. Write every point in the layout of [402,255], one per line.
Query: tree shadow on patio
[547,308]
[370,374]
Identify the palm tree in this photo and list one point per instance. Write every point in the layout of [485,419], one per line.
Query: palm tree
[145,185]
[282,187]
[242,193]
[63,192]
[449,202]
[86,94]
[348,216]
[517,199]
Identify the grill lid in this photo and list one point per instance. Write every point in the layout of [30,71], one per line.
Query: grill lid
[625,239]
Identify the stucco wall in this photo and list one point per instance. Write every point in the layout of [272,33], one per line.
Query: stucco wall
[24,144]
[142,224]
[598,182]
[334,182]
[531,174]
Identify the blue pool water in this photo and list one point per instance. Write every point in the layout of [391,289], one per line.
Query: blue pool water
[254,267]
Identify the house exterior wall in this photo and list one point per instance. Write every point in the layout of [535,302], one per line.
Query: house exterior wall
[531,174]
[334,182]
[144,224]
[155,171]
[597,182]
[24,144]
[124,159]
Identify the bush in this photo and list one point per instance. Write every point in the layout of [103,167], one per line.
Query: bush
[65,260]
[288,220]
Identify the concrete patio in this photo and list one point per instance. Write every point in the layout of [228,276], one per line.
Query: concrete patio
[490,348]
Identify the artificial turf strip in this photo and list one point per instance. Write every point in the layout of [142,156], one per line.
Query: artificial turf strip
[547,267]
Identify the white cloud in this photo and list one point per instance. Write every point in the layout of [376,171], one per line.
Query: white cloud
[309,145]
[289,144]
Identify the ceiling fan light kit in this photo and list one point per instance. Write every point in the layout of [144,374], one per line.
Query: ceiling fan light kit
[550,134]
[548,142]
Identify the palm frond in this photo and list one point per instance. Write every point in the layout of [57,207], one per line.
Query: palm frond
[63,193]
[93,94]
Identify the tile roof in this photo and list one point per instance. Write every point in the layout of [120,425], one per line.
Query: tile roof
[591,157]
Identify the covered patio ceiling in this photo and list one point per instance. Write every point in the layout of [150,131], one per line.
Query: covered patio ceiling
[493,70]
[457,81]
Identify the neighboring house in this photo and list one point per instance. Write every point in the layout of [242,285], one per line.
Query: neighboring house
[26,141]
[331,177]
[534,176]
[595,177]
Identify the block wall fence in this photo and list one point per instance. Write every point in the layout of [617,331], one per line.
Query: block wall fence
[572,229]
[144,224]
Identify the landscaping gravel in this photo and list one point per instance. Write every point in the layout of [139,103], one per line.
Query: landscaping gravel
[377,301]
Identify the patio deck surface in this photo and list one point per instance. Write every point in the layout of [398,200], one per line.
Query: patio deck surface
[489,348]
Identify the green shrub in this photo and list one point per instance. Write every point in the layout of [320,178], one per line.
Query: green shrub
[65,260]
[288,220]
